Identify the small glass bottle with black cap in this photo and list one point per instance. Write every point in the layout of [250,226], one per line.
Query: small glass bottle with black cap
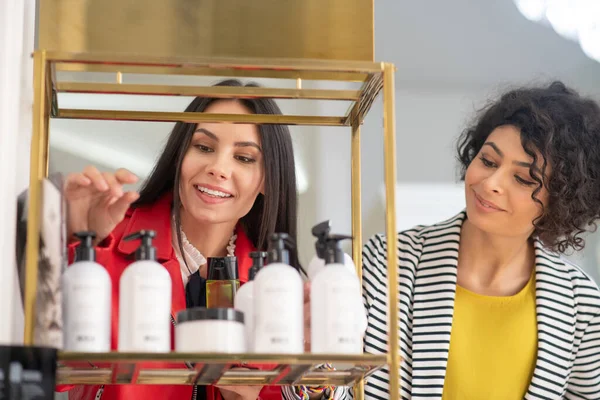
[222,282]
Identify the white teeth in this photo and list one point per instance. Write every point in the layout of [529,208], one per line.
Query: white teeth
[486,205]
[214,193]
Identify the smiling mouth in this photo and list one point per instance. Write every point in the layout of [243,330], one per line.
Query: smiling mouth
[487,204]
[213,193]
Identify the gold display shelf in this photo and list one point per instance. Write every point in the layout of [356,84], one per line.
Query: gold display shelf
[368,74]
[57,70]
[211,369]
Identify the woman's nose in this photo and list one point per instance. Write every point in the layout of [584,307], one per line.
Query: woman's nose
[494,183]
[220,169]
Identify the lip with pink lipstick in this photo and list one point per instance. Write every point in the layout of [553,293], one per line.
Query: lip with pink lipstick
[484,205]
[212,194]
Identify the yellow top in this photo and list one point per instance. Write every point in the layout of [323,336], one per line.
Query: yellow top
[493,346]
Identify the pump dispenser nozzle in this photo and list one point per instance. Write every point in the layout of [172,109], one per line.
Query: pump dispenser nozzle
[327,244]
[85,251]
[258,261]
[146,251]
[321,232]
[334,253]
[277,251]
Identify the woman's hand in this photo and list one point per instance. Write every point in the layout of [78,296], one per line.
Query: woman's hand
[307,317]
[96,200]
[240,392]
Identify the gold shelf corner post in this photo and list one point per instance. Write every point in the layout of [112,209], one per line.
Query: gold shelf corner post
[359,387]
[38,171]
[389,128]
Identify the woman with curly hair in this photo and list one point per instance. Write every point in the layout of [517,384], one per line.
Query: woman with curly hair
[488,308]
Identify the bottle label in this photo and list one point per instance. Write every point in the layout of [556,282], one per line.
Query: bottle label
[221,293]
[279,319]
[342,318]
[151,314]
[87,315]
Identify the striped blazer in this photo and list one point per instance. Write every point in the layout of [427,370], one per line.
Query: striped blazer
[567,308]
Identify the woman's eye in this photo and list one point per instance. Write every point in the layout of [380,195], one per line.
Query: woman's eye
[524,181]
[203,148]
[246,160]
[487,162]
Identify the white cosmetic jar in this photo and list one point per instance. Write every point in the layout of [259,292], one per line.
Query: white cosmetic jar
[210,330]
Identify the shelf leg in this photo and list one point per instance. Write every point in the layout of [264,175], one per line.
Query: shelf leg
[392,237]
[359,387]
[38,169]
[356,201]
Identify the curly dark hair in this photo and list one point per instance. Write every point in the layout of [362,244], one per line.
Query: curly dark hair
[564,128]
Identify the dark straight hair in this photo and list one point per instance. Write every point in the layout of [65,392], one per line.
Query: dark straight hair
[275,211]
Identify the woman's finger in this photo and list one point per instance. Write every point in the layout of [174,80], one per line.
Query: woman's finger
[76,180]
[245,392]
[120,207]
[125,176]
[307,292]
[116,189]
[96,177]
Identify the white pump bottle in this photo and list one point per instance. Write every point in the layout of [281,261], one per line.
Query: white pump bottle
[244,299]
[87,291]
[278,303]
[338,319]
[145,301]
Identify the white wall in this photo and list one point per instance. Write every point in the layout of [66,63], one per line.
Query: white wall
[16,43]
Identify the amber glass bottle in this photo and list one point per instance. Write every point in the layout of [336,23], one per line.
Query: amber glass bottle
[222,282]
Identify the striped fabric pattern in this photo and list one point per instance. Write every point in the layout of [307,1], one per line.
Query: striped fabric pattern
[567,308]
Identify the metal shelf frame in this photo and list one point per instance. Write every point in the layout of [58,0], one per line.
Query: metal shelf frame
[212,369]
[122,368]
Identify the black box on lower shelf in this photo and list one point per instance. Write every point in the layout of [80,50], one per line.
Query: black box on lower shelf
[27,373]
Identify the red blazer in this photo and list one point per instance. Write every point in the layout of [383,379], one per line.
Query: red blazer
[115,255]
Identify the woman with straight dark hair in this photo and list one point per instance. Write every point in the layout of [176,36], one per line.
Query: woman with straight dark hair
[217,189]
[275,206]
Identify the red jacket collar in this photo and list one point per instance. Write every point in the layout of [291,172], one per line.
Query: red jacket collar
[157,217]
